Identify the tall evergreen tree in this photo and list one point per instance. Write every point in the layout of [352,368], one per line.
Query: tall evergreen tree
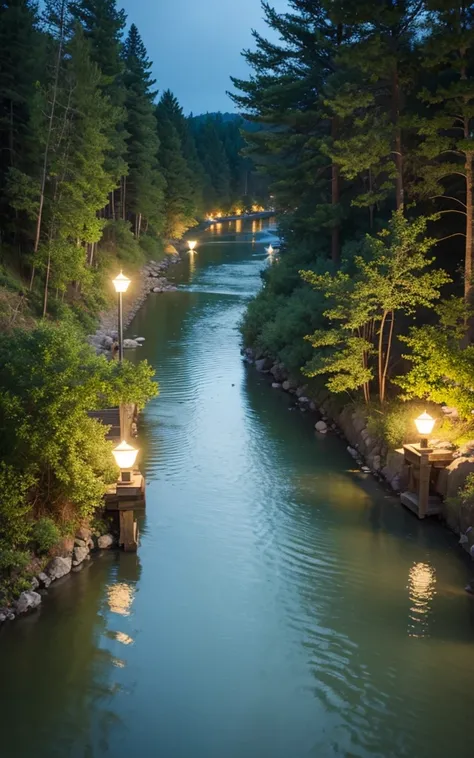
[179,191]
[447,128]
[142,190]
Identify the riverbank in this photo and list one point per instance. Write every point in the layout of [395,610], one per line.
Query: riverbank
[151,279]
[372,451]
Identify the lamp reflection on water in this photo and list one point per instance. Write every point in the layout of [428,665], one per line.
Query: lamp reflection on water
[120,598]
[422,590]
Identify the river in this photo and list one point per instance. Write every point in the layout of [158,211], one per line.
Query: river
[281,604]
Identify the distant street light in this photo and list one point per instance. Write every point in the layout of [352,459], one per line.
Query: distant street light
[192,244]
[125,456]
[121,284]
[269,250]
[424,425]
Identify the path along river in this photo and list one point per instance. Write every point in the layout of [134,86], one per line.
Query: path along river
[281,604]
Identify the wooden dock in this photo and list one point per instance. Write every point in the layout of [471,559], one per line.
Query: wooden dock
[123,498]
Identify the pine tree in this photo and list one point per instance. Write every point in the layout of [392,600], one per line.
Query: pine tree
[142,190]
[447,128]
[286,95]
[215,164]
[103,26]
[21,61]
[179,205]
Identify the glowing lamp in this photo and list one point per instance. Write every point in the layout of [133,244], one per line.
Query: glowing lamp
[424,425]
[125,456]
[269,249]
[121,283]
[192,244]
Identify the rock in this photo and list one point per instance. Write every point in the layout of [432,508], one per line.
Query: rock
[84,533]
[300,391]
[262,364]
[395,483]
[80,543]
[394,465]
[34,583]
[279,372]
[365,469]
[3,617]
[10,616]
[303,400]
[467,449]
[105,541]
[286,385]
[44,580]
[140,340]
[376,463]
[321,427]
[59,567]
[80,554]
[312,406]
[353,452]
[27,601]
[129,344]
[91,544]
[276,386]
[457,473]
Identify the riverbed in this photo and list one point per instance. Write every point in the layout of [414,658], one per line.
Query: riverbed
[281,605]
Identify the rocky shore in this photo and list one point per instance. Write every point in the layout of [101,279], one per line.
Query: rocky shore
[371,453]
[71,556]
[152,280]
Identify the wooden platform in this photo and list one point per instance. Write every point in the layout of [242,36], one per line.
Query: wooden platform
[410,500]
[109,417]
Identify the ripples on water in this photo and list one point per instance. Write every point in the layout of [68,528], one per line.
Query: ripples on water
[281,604]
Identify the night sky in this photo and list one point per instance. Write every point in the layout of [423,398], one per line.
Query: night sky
[195,45]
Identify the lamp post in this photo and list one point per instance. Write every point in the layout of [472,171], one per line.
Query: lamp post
[192,244]
[424,425]
[125,456]
[121,284]
[269,250]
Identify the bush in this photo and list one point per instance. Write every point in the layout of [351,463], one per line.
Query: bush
[45,535]
[14,578]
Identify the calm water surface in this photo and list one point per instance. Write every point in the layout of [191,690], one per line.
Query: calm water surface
[281,605]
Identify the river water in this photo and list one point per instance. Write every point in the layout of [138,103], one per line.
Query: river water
[281,604]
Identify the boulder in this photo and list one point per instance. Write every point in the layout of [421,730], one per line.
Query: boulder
[80,543]
[353,452]
[34,583]
[286,385]
[394,465]
[44,580]
[300,391]
[3,617]
[140,340]
[276,386]
[59,567]
[105,541]
[457,472]
[130,344]
[312,406]
[376,463]
[279,372]
[27,601]
[79,555]
[84,533]
[321,427]
[263,364]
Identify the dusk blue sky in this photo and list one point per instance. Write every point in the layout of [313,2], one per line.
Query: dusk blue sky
[195,45]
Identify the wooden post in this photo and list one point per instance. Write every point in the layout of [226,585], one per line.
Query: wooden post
[128,531]
[424,483]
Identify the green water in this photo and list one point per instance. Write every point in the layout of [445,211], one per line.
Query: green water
[281,604]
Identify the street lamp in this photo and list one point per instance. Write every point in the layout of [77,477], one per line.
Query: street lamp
[424,425]
[192,244]
[125,456]
[269,250]
[121,283]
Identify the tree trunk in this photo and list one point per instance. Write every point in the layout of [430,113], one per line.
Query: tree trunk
[44,172]
[139,225]
[124,194]
[46,283]
[399,191]
[335,197]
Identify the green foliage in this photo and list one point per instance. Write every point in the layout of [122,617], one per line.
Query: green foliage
[389,280]
[49,380]
[441,366]
[45,534]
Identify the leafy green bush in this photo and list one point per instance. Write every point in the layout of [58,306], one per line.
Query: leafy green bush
[45,534]
[14,578]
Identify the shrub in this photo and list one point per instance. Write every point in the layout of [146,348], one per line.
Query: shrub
[45,535]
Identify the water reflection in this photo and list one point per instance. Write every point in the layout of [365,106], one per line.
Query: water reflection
[120,598]
[422,590]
